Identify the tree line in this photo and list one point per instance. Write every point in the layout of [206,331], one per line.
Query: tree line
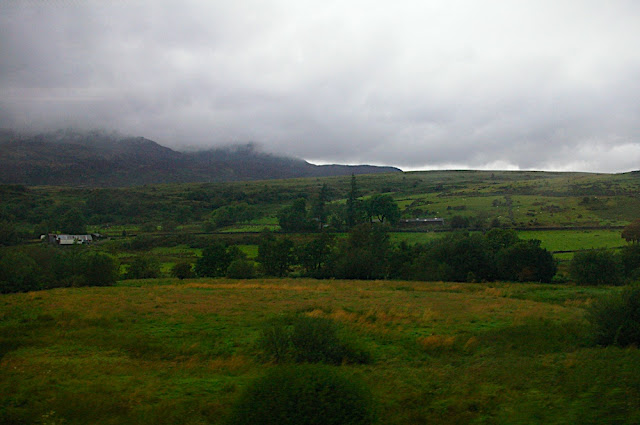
[32,268]
[365,253]
[368,253]
[378,208]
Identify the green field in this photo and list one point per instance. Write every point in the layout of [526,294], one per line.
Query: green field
[181,352]
[160,351]
[553,240]
[574,240]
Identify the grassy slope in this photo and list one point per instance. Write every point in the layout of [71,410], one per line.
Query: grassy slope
[169,352]
[523,199]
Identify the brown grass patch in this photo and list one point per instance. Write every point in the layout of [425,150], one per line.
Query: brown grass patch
[235,363]
[436,343]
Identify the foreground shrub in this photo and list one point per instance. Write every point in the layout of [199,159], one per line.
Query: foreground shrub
[304,395]
[616,319]
[310,340]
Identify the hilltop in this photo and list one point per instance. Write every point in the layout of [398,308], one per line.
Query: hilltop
[98,158]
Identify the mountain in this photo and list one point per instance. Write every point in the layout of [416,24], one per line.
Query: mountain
[98,158]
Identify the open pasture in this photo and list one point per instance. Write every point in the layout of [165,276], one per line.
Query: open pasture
[575,240]
[552,240]
[164,351]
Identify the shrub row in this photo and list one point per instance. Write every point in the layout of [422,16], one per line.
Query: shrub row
[43,267]
[305,339]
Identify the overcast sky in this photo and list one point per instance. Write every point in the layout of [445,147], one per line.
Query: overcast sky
[550,85]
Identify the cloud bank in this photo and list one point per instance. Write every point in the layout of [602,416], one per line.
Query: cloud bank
[415,84]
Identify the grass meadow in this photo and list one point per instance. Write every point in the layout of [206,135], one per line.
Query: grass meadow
[164,351]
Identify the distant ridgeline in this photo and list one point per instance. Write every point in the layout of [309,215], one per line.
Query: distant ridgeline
[98,158]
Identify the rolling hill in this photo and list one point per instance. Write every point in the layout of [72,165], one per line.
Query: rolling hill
[98,158]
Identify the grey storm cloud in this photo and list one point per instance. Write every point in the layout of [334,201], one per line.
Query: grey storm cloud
[517,84]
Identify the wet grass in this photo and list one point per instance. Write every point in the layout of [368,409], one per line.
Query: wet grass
[162,351]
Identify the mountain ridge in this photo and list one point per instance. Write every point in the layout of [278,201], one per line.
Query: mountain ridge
[98,158]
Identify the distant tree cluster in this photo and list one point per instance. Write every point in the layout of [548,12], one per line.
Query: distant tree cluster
[368,253]
[631,233]
[143,267]
[602,267]
[228,215]
[44,267]
[378,208]
[218,260]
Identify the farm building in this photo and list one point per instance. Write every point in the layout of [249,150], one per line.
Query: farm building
[422,221]
[58,239]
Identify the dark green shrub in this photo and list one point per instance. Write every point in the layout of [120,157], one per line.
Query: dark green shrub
[616,319]
[315,340]
[630,261]
[305,339]
[241,269]
[304,395]
[215,260]
[595,267]
[526,261]
[182,270]
[100,269]
[275,341]
[364,254]
[18,273]
[464,256]
[276,256]
[143,267]
[8,234]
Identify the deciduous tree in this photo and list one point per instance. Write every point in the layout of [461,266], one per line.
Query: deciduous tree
[215,260]
[595,267]
[276,256]
[631,233]
[382,208]
[294,218]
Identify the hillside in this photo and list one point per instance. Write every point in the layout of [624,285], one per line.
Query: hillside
[107,159]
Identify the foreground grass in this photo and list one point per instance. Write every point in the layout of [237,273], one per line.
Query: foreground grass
[163,351]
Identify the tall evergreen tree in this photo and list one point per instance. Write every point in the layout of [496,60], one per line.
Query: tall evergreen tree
[318,211]
[352,203]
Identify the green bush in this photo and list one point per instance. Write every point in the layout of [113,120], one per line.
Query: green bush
[100,269]
[215,260]
[616,319]
[143,267]
[43,267]
[595,267]
[304,395]
[182,270]
[526,261]
[275,341]
[241,269]
[18,273]
[630,261]
[310,340]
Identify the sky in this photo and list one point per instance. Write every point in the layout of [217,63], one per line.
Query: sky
[456,84]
